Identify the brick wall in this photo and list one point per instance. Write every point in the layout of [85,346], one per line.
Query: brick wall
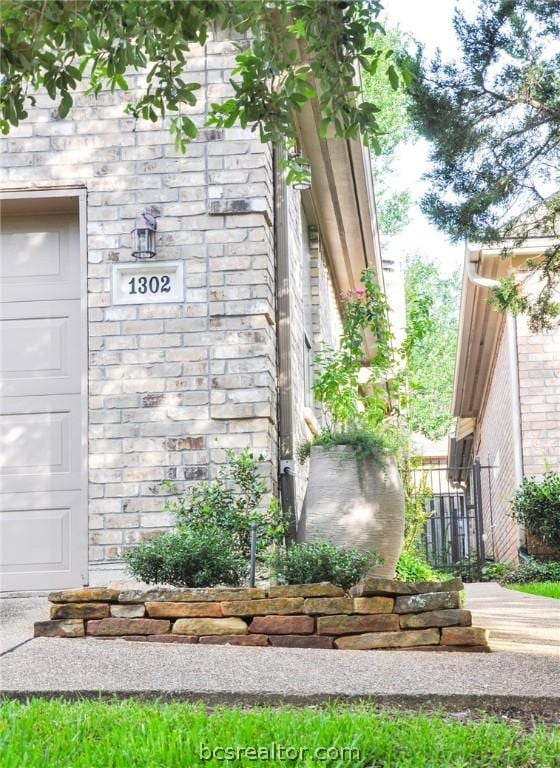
[539,387]
[314,311]
[493,444]
[325,314]
[539,382]
[172,386]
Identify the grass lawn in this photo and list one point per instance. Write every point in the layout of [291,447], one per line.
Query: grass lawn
[57,734]
[546,589]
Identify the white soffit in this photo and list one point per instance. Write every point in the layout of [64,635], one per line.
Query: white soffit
[342,200]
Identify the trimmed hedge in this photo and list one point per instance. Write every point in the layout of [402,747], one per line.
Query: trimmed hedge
[311,562]
[195,557]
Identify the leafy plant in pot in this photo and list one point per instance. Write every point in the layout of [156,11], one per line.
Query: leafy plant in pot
[354,495]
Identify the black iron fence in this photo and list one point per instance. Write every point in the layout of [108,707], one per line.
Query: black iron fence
[451,500]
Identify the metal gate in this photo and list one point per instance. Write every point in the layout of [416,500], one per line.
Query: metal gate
[453,535]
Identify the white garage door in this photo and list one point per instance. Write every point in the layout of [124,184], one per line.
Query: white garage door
[42,516]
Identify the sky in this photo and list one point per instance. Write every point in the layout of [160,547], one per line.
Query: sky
[430,23]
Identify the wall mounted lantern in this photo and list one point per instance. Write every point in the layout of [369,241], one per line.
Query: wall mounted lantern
[144,237]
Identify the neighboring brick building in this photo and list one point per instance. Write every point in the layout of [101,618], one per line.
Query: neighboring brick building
[495,360]
[254,270]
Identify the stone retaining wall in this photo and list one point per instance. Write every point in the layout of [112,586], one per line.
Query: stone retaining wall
[377,613]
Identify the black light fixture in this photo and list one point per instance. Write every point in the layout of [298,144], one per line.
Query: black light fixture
[144,237]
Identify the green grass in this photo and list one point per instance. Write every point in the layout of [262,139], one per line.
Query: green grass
[545,589]
[133,734]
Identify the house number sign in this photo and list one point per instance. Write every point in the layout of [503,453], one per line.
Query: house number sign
[156,282]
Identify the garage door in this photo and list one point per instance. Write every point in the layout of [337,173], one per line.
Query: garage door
[42,515]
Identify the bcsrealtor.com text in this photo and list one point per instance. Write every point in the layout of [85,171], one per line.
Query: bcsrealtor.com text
[274,751]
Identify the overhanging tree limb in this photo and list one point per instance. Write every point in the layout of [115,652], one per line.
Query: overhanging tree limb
[494,122]
[56,44]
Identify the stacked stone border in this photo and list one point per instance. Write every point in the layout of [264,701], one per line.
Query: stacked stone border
[375,614]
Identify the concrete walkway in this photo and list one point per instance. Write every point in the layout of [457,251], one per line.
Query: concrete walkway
[17,616]
[515,676]
[517,621]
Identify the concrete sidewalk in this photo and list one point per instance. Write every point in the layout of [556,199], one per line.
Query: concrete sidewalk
[17,616]
[517,621]
[503,680]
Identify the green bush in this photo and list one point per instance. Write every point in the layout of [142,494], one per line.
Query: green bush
[231,503]
[495,571]
[195,557]
[310,562]
[411,567]
[537,505]
[534,571]
[366,444]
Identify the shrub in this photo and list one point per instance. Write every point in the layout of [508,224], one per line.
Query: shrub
[366,444]
[537,505]
[310,562]
[411,567]
[534,571]
[194,557]
[496,571]
[231,503]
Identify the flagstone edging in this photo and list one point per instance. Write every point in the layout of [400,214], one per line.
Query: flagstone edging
[375,614]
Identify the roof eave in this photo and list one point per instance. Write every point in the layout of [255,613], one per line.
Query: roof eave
[479,329]
[479,325]
[341,201]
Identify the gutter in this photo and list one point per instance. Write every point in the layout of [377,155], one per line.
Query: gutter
[286,472]
[513,360]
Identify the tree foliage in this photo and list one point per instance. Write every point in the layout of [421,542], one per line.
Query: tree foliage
[353,391]
[432,304]
[289,53]
[395,127]
[494,121]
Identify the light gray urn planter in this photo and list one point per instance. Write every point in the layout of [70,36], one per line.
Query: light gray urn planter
[354,503]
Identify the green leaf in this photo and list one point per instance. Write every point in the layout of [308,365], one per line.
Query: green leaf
[324,127]
[297,28]
[189,128]
[121,82]
[65,105]
[393,77]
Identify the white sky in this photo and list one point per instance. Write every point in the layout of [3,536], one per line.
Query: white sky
[430,23]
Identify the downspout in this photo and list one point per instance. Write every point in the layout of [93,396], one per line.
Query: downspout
[517,435]
[286,474]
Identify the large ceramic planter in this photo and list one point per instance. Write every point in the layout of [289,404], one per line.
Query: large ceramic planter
[354,503]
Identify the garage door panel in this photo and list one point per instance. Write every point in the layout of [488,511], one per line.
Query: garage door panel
[43,520]
[39,258]
[38,353]
[40,445]
[39,543]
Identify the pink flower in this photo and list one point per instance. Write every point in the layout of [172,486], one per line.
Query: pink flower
[360,292]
